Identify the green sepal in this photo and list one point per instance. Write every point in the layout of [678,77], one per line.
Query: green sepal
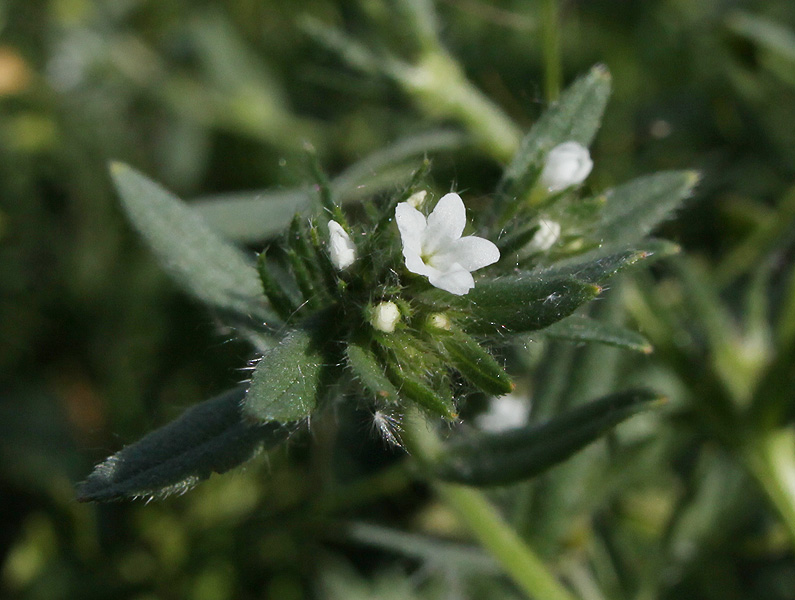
[211,437]
[284,386]
[575,117]
[365,366]
[486,459]
[475,363]
[515,303]
[634,209]
[578,328]
[437,401]
[411,365]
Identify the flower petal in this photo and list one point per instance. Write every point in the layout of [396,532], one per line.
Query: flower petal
[342,249]
[415,264]
[471,252]
[445,224]
[457,280]
[411,224]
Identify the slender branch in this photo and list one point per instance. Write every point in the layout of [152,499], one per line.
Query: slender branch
[518,560]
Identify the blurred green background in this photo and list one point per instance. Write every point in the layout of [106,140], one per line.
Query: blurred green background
[97,347]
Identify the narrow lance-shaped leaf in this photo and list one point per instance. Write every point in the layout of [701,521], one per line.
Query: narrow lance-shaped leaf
[576,117]
[259,215]
[284,386]
[209,437]
[633,210]
[207,266]
[518,454]
[584,329]
[517,303]
[599,265]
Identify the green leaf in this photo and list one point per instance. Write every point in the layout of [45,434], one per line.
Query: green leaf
[576,117]
[634,209]
[254,216]
[284,386]
[475,363]
[369,372]
[769,34]
[429,550]
[517,303]
[584,329]
[518,454]
[599,265]
[207,266]
[772,405]
[209,437]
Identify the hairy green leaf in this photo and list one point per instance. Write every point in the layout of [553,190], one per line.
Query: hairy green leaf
[259,215]
[517,303]
[207,266]
[502,458]
[284,386]
[584,329]
[634,209]
[599,265]
[209,437]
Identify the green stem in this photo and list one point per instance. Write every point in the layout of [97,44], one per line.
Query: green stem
[518,560]
[553,75]
[439,86]
[771,459]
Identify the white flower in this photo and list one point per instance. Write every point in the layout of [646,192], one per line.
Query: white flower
[433,247]
[342,250]
[548,233]
[504,412]
[385,316]
[567,164]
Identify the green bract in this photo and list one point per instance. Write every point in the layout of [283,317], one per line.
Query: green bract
[345,308]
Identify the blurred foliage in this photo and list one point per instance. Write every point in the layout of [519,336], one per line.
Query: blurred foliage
[98,347]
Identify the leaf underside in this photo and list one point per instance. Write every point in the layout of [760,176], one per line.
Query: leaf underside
[211,437]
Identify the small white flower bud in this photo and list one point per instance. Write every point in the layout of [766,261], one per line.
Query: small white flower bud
[567,164]
[548,233]
[385,316]
[440,321]
[417,199]
[341,247]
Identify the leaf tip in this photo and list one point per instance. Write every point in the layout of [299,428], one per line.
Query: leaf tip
[600,71]
[117,167]
[659,400]
[693,178]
